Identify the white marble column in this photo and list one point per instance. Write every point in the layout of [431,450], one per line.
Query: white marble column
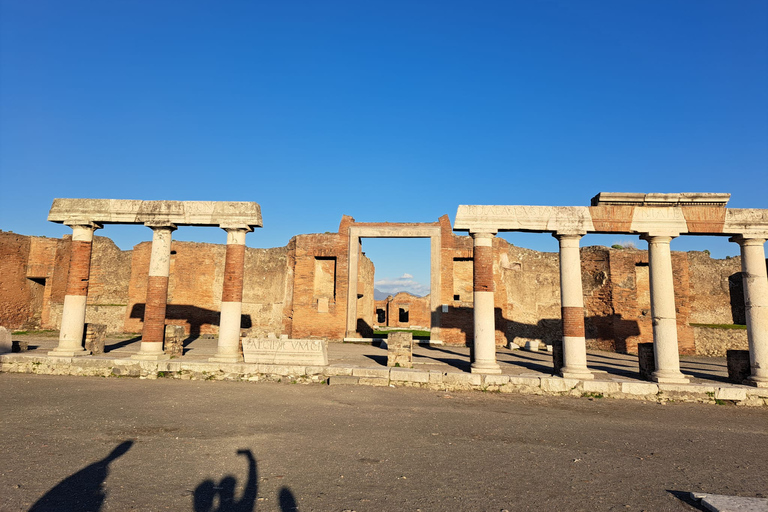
[572,302]
[663,313]
[755,276]
[483,307]
[73,313]
[153,333]
[228,350]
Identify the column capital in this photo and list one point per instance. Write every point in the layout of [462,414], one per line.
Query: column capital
[236,227]
[657,238]
[747,240]
[84,224]
[482,234]
[156,225]
[568,236]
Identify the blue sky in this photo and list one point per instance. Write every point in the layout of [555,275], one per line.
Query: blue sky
[384,110]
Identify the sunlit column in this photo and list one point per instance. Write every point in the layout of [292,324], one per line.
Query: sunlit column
[73,313]
[755,277]
[572,302]
[157,295]
[665,348]
[232,297]
[485,324]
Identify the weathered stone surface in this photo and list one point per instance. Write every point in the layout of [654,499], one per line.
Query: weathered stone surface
[400,349]
[288,352]
[6,345]
[467,379]
[600,386]
[371,372]
[336,380]
[496,380]
[639,388]
[95,335]
[558,385]
[731,393]
[174,340]
[404,374]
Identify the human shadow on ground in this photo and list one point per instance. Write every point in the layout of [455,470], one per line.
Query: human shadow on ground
[83,491]
[207,492]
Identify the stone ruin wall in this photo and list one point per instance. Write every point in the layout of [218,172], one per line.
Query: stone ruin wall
[300,290]
[419,314]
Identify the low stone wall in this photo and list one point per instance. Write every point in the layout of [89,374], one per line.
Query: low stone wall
[714,342]
[385,377]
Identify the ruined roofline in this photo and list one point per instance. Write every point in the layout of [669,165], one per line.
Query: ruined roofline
[660,199]
[225,214]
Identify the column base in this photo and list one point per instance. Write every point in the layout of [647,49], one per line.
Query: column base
[485,367]
[758,382]
[225,359]
[576,373]
[69,352]
[669,377]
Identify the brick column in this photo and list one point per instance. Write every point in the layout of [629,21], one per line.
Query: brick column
[232,297]
[755,276]
[485,324]
[157,295]
[73,313]
[572,302]
[665,349]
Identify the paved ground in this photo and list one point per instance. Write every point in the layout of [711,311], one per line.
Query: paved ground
[173,445]
[605,365]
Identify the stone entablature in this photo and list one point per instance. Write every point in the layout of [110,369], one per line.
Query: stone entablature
[626,219]
[180,213]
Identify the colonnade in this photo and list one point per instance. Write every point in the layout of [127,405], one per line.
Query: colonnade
[664,317]
[163,217]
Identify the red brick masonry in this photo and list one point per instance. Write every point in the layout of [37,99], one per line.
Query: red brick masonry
[79,268]
[154,312]
[233,274]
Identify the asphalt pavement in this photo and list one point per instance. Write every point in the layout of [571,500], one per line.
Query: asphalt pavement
[79,443]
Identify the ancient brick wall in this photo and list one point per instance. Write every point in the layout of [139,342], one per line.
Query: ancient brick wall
[17,296]
[417,308]
[716,290]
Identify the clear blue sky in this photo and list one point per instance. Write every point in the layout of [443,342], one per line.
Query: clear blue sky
[384,110]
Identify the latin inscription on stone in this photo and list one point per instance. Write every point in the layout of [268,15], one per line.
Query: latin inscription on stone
[285,351]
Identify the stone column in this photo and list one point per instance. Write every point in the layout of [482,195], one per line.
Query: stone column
[755,276]
[353,264]
[485,323]
[663,313]
[157,295]
[232,297]
[572,302]
[73,313]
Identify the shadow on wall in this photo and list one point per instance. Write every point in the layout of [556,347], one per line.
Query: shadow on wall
[84,490]
[195,316]
[546,330]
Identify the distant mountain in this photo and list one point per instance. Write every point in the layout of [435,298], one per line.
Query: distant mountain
[380,295]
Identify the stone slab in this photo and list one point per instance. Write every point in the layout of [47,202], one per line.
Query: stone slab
[336,380]
[639,388]
[285,352]
[371,372]
[731,393]
[600,386]
[496,380]
[558,385]
[724,503]
[408,375]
